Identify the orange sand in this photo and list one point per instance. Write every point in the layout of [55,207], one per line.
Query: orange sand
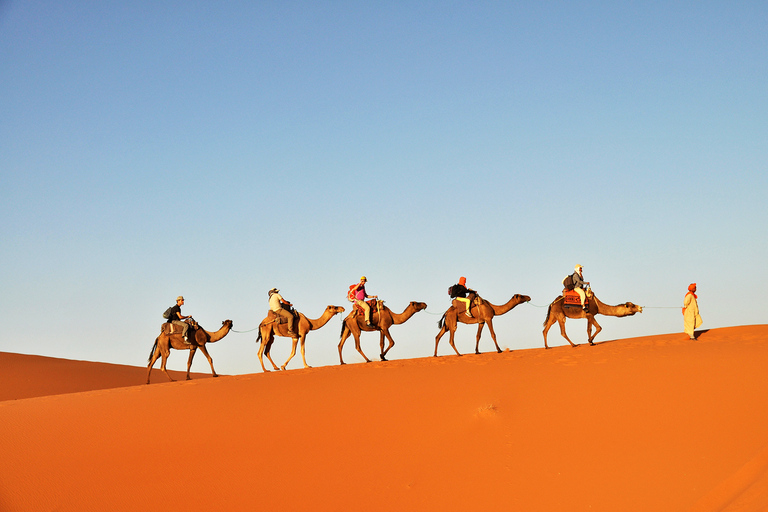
[644,424]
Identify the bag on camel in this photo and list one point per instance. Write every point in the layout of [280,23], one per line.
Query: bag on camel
[450,290]
[352,292]
[568,282]
[167,313]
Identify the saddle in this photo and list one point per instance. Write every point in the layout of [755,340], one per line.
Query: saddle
[460,306]
[273,317]
[169,328]
[571,298]
[375,304]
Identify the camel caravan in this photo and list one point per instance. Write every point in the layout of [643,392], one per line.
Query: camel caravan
[370,314]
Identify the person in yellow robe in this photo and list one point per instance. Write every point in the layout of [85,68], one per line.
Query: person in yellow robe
[691,317]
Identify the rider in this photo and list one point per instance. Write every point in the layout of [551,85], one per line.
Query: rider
[360,296]
[176,318]
[276,302]
[579,285]
[459,292]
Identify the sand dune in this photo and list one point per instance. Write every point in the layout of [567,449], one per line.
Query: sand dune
[653,423]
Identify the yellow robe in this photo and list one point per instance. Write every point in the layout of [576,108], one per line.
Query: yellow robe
[691,317]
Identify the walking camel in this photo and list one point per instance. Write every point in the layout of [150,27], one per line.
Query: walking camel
[268,329]
[197,336]
[558,313]
[382,319]
[482,314]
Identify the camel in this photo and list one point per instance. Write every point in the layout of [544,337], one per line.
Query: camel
[197,336]
[558,313]
[382,319]
[482,314]
[268,329]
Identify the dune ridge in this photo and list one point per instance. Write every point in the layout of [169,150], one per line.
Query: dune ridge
[651,423]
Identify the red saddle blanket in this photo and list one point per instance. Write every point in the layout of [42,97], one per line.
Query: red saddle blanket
[571,298]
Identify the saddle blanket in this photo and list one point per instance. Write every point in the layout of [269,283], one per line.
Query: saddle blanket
[571,298]
[168,328]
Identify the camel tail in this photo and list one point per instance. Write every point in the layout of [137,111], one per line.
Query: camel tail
[343,325]
[549,311]
[441,322]
[258,339]
[151,353]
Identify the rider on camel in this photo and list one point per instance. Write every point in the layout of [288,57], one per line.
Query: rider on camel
[360,296]
[579,285]
[459,292]
[276,302]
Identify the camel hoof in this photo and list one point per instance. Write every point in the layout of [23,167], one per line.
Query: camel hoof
[382,357]
[215,374]
[282,368]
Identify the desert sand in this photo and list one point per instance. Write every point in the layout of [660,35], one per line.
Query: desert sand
[658,423]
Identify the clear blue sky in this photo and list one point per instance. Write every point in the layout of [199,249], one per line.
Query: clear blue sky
[218,149]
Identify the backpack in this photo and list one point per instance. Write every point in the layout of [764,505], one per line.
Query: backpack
[167,313]
[352,292]
[568,282]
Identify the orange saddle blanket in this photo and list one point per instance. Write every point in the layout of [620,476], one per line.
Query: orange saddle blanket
[571,298]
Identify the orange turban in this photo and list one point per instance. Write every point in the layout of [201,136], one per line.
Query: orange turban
[462,281]
[692,287]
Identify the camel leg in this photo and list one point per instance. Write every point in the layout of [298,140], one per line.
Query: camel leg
[294,342]
[266,351]
[165,351]
[209,358]
[493,337]
[303,356]
[152,360]
[192,351]
[450,340]
[385,332]
[562,331]
[344,335]
[590,321]
[357,346]
[443,330]
[550,323]
[261,353]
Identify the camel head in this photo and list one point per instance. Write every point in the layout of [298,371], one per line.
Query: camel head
[335,309]
[418,306]
[522,298]
[228,323]
[631,309]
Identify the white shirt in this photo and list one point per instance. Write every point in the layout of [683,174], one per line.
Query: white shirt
[274,302]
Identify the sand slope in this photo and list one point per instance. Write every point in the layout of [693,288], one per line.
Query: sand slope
[654,423]
[27,376]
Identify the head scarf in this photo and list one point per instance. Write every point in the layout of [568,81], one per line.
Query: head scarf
[692,289]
